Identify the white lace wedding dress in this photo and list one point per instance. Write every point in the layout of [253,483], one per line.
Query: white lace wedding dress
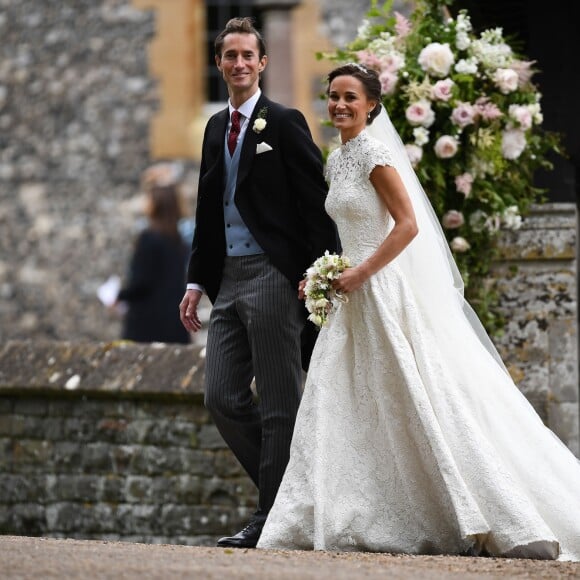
[408,439]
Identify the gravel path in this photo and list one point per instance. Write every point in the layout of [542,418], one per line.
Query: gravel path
[44,559]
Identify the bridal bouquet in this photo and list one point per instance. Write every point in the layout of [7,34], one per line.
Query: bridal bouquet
[320,295]
[465,106]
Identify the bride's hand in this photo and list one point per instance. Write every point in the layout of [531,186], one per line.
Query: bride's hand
[350,280]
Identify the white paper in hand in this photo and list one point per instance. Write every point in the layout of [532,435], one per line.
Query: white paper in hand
[109,291]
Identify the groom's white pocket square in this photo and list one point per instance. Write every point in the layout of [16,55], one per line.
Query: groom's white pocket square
[262,147]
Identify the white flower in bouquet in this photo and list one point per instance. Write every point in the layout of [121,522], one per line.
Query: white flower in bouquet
[320,295]
[459,244]
[462,41]
[421,136]
[511,218]
[522,114]
[466,107]
[466,66]
[436,59]
[477,220]
[506,80]
[513,143]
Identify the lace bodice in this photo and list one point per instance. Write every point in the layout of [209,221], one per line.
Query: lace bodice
[361,216]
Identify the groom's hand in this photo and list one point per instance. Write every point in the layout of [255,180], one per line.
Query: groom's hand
[301,286]
[188,310]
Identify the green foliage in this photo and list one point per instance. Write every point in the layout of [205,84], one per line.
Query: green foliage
[442,80]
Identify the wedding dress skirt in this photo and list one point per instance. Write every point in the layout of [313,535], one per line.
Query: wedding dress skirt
[410,439]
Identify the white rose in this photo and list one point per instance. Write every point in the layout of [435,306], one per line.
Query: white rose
[436,59]
[259,125]
[506,80]
[513,143]
[459,244]
[321,303]
[414,153]
[445,147]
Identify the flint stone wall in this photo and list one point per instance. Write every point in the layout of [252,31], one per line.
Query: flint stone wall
[111,441]
[76,103]
[536,276]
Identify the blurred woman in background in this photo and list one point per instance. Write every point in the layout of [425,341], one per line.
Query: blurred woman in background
[157,269]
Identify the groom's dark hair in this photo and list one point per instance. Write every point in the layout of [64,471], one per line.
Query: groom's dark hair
[244,25]
[369,79]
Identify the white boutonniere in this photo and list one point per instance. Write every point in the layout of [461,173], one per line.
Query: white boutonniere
[260,122]
[262,147]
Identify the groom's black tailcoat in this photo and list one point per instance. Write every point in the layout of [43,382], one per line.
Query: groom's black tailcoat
[280,195]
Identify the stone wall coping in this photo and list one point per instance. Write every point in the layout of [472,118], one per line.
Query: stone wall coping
[101,369]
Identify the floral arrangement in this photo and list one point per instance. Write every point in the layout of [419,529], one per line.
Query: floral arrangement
[318,290]
[470,117]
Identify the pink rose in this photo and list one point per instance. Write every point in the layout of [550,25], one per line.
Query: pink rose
[415,154]
[463,115]
[463,183]
[453,219]
[445,147]
[442,90]
[420,113]
[388,82]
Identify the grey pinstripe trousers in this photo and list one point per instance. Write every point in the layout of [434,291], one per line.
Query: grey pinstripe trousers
[254,331]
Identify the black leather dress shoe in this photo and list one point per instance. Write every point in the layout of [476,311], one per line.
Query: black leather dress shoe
[247,538]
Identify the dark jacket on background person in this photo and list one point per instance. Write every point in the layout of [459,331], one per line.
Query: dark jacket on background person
[154,289]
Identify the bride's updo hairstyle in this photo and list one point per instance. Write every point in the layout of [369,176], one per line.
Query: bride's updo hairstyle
[369,79]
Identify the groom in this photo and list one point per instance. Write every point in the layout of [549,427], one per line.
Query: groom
[260,223]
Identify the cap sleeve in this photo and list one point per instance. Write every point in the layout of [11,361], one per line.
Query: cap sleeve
[377,153]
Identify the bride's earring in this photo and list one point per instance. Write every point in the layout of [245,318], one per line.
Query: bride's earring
[369,115]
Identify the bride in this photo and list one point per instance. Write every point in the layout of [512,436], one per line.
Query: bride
[411,437]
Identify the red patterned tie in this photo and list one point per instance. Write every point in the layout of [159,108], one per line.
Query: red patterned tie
[234,131]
